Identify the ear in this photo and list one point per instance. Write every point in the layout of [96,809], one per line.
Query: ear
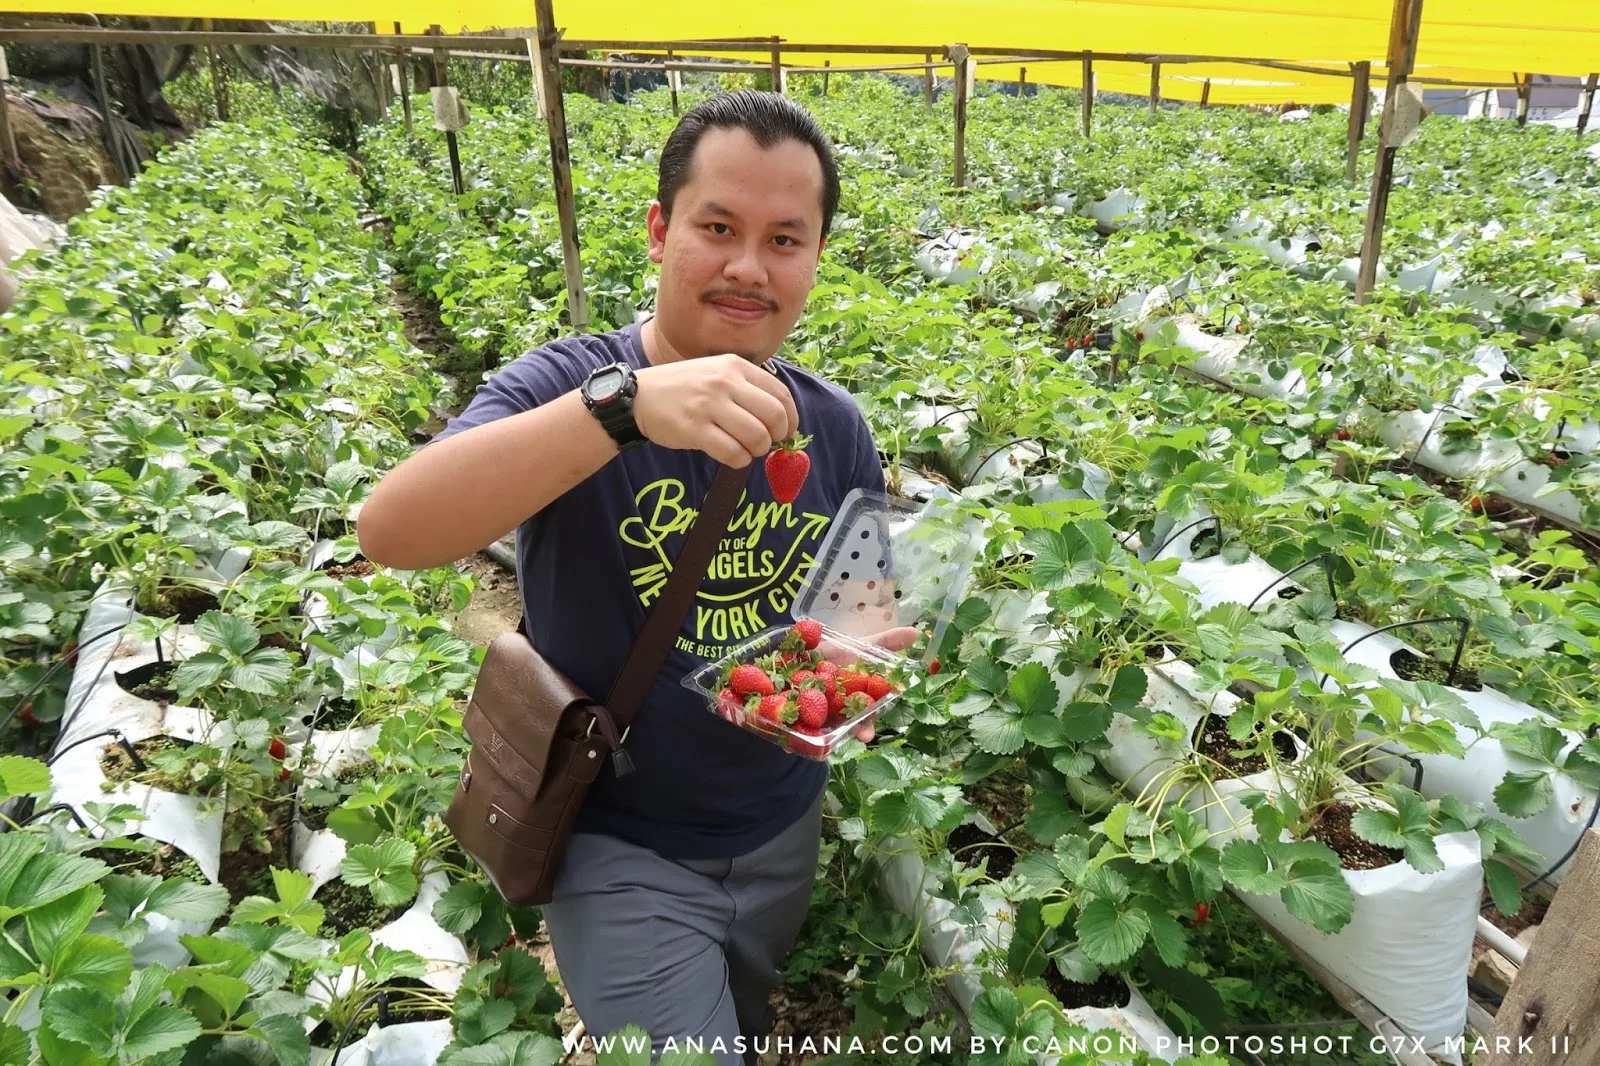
[656,228]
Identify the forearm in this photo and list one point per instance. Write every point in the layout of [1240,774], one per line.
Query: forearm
[459,495]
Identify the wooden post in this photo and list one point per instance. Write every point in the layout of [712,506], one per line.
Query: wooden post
[958,52]
[1088,95]
[1205,94]
[1022,83]
[555,115]
[441,78]
[1585,102]
[627,84]
[219,85]
[1403,29]
[8,138]
[1359,95]
[672,82]
[402,62]
[777,71]
[103,100]
[1554,1003]
[1155,85]
[380,74]
[927,81]
[1524,97]
[826,63]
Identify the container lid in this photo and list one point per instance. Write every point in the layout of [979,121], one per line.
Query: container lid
[888,562]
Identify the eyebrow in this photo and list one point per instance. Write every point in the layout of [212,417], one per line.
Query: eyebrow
[711,207]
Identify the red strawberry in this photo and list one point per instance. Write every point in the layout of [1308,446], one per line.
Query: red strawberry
[750,680]
[801,677]
[813,707]
[808,742]
[809,630]
[1088,340]
[857,703]
[729,704]
[933,668]
[787,467]
[827,669]
[1341,434]
[276,749]
[284,774]
[1138,335]
[776,708]
[878,687]
[27,714]
[1475,504]
[1202,911]
[851,681]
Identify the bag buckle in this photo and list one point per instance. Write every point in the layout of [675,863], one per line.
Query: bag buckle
[621,761]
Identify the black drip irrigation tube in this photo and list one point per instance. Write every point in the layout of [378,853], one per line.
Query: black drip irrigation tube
[1333,591]
[1043,448]
[70,656]
[383,1020]
[1213,519]
[1455,662]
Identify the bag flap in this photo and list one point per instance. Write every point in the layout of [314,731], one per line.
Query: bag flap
[518,703]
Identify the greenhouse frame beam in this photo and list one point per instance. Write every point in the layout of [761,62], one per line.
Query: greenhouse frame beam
[1403,29]
[223,38]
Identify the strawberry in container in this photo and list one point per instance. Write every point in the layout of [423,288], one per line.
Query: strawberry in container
[889,571]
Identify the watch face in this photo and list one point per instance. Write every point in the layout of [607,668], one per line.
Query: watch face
[605,386]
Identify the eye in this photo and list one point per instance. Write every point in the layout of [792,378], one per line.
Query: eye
[721,229]
[786,242]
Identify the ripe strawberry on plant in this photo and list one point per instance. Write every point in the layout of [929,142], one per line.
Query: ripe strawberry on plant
[748,679]
[1341,434]
[1202,911]
[787,467]
[277,749]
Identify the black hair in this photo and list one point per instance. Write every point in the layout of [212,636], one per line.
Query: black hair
[768,118]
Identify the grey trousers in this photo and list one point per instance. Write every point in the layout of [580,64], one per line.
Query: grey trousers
[687,948]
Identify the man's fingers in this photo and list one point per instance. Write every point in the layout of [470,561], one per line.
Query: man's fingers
[724,448]
[747,429]
[768,382]
[765,406]
[864,731]
[898,639]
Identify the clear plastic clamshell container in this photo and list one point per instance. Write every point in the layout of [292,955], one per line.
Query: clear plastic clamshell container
[889,576]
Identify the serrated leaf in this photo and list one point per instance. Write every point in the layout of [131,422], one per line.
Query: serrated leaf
[1128,687]
[1116,822]
[1032,690]
[1504,886]
[159,1029]
[1044,730]
[227,631]
[96,961]
[263,672]
[84,1016]
[185,901]
[385,870]
[21,776]
[53,927]
[1110,936]
[1083,722]
[1317,893]
[1379,827]
[995,1013]
[1168,935]
[998,731]
[459,907]
[1524,794]
[1246,866]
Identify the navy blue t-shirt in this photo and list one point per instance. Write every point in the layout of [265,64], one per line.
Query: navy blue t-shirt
[593,562]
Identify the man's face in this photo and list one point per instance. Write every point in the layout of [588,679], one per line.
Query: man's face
[740,254]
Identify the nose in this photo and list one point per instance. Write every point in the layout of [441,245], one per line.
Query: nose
[744,267]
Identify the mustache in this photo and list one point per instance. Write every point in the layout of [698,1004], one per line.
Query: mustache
[739,294]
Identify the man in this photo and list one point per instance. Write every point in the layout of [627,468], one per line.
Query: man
[686,881]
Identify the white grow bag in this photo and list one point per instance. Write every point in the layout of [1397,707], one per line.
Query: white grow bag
[405,1044]
[1474,778]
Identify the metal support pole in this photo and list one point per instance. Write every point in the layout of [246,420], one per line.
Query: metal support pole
[402,62]
[441,78]
[555,114]
[219,84]
[958,52]
[1155,86]
[927,81]
[825,64]
[1359,95]
[1586,103]
[8,137]
[1402,56]
[1088,95]
[1524,98]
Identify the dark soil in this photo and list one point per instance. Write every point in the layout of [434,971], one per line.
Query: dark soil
[805,1010]
[1554,460]
[1206,543]
[1422,668]
[1001,796]
[247,872]
[972,845]
[182,602]
[118,768]
[1109,991]
[281,640]
[346,908]
[153,681]
[162,860]
[337,714]
[1332,827]
[357,567]
[1347,612]
[333,527]
[1211,740]
[1532,913]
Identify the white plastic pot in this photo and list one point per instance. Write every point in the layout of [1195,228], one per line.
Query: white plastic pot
[955,257]
[1119,208]
[406,1044]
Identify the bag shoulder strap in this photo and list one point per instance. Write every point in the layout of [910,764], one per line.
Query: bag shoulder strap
[650,650]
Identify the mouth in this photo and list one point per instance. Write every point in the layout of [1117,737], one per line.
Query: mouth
[739,308]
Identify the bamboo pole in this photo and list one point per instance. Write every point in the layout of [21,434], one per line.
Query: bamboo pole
[1402,56]
[219,86]
[958,52]
[103,100]
[555,115]
[1359,95]
[1524,97]
[927,81]
[672,82]
[1155,86]
[1088,96]
[441,78]
[1586,102]
[8,137]
[1022,83]
[402,62]
[826,63]
[1205,94]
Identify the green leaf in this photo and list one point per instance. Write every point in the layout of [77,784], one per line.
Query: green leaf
[263,672]
[535,1049]
[1379,827]
[56,925]
[1504,886]
[21,776]
[227,993]
[15,1049]
[1246,866]
[45,878]
[1055,913]
[84,1016]
[1032,690]
[1116,822]
[1168,935]
[1083,722]
[285,1037]
[385,870]
[998,731]
[460,907]
[1128,687]
[1110,936]
[354,826]
[973,612]
[1317,893]
[159,1029]
[183,900]
[987,674]
[227,631]
[96,961]
[1044,730]
[995,1013]
[1524,794]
